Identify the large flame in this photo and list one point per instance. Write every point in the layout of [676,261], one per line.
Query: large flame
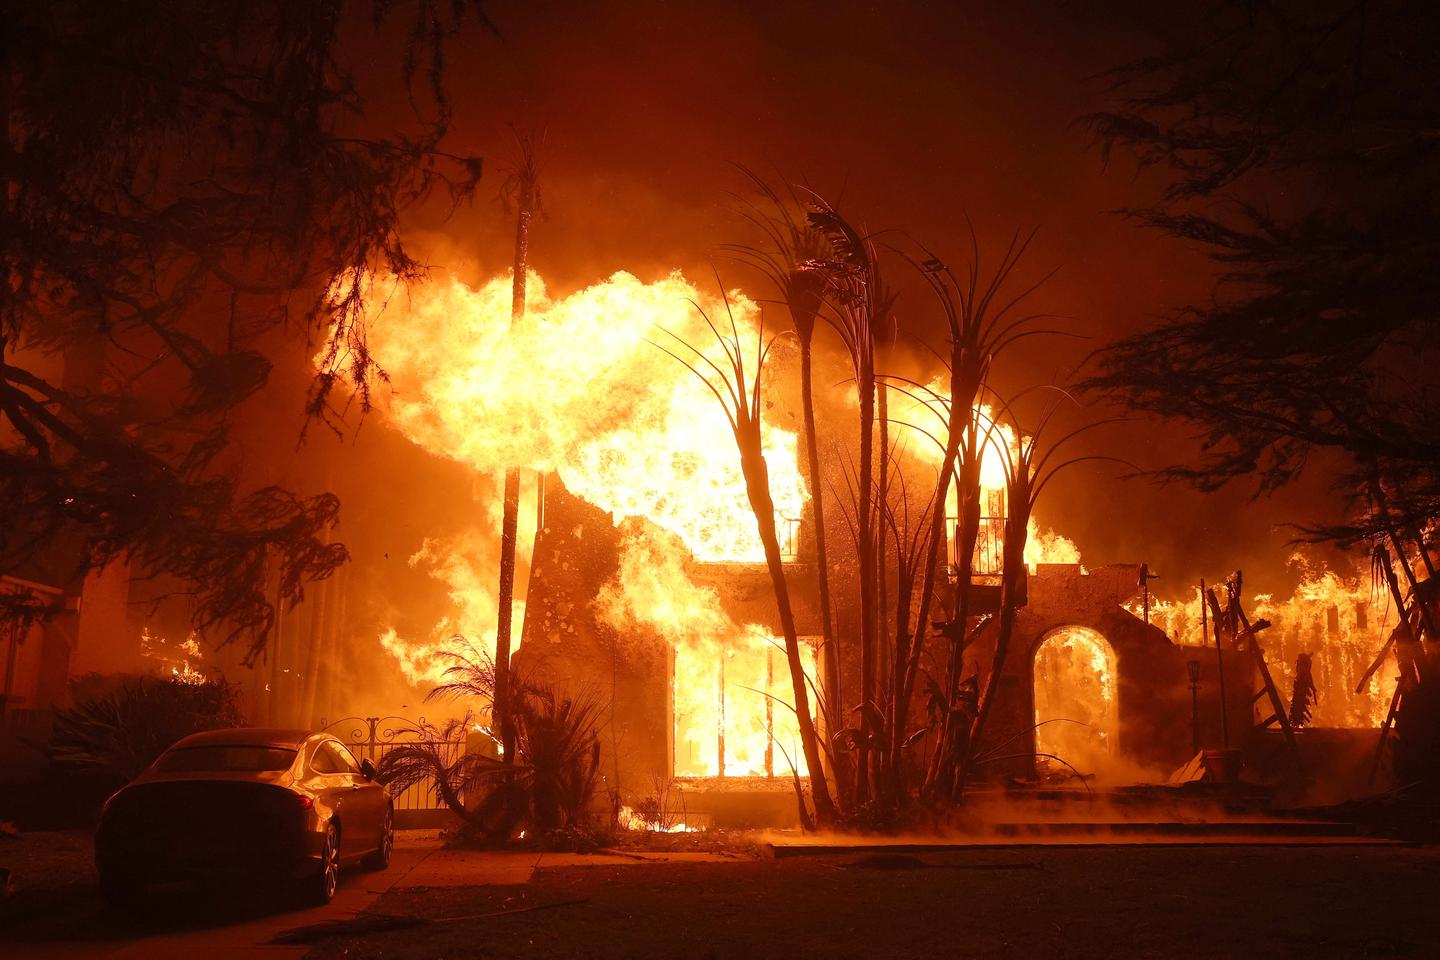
[731,682]
[1075,713]
[580,389]
[1341,621]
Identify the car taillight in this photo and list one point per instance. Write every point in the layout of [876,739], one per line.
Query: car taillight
[303,802]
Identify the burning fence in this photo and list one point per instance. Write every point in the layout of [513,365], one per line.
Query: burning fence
[1340,622]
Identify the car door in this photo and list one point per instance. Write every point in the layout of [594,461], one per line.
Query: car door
[332,779]
[365,804]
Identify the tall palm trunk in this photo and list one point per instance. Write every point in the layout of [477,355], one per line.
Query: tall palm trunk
[967,497]
[1016,531]
[510,520]
[833,693]
[911,644]
[882,599]
[866,550]
[757,487]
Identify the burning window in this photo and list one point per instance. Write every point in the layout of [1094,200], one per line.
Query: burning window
[732,707]
[788,530]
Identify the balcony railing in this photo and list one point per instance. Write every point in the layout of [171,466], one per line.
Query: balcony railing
[988,559]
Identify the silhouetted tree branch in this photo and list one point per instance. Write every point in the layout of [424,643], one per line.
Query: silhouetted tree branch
[183,185]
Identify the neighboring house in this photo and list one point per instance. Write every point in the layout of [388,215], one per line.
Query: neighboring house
[71,632]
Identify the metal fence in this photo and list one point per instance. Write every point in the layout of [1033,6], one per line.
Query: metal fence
[373,737]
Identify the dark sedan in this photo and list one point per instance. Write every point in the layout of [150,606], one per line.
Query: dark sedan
[285,806]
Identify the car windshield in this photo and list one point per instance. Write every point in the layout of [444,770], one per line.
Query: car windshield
[242,759]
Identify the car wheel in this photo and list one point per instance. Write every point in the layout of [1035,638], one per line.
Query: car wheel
[380,859]
[319,888]
[122,892]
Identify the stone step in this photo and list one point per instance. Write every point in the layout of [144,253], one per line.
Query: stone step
[832,846]
[1255,827]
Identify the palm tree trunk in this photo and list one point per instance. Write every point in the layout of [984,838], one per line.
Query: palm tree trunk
[1016,531]
[967,498]
[757,486]
[833,694]
[905,684]
[866,386]
[882,495]
[510,521]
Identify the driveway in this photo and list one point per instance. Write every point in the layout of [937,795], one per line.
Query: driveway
[55,910]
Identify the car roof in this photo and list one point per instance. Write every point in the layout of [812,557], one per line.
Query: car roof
[248,737]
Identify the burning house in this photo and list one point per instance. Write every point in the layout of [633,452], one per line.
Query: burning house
[1108,690]
[643,586]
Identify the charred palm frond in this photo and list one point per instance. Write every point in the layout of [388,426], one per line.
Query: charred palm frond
[560,751]
[792,254]
[470,672]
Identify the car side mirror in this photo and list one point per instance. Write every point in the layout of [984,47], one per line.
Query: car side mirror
[367,769]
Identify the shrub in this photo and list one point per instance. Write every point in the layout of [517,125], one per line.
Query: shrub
[111,737]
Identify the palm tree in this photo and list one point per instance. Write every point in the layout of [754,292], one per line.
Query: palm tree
[739,396]
[790,263]
[521,187]
[859,304]
[981,321]
[546,783]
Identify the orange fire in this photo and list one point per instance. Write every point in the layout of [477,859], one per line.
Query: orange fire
[174,661]
[1340,621]
[1075,711]
[580,389]
[925,416]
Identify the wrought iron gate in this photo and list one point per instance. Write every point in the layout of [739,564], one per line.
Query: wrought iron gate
[373,737]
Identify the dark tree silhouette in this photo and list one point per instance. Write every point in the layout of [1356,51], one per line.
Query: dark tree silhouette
[1298,142]
[186,186]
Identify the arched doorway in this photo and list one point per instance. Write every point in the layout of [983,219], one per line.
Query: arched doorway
[1075,703]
